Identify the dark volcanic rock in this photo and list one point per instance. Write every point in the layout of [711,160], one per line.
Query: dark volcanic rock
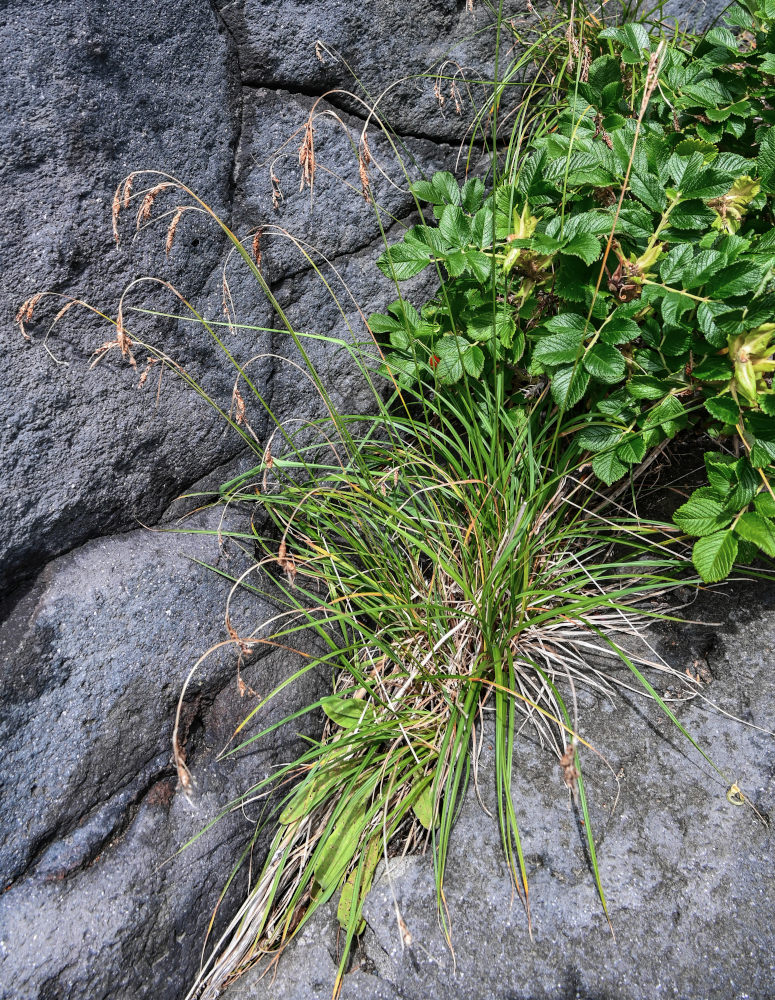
[97,902]
[92,90]
[689,877]
[386,52]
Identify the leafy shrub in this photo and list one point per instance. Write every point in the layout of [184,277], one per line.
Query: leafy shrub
[627,259]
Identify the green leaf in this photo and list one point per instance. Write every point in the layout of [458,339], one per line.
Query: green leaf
[567,322]
[480,265]
[585,246]
[569,385]
[423,807]
[765,504]
[669,414]
[472,195]
[455,227]
[701,516]
[649,190]
[721,471]
[757,529]
[723,408]
[619,330]
[347,901]
[766,158]
[673,266]
[446,188]
[337,850]
[647,387]
[598,437]
[558,349]
[473,360]
[608,467]
[713,369]
[403,261]
[347,712]
[605,363]
[480,327]
[714,556]
[450,351]
[735,280]
[632,450]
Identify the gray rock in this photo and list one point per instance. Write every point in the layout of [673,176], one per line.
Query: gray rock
[97,901]
[689,877]
[369,49]
[95,89]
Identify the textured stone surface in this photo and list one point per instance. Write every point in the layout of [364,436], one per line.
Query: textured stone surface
[690,878]
[378,47]
[99,649]
[97,89]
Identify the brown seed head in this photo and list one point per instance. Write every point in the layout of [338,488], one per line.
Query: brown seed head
[307,156]
[115,212]
[144,212]
[123,341]
[24,315]
[454,93]
[257,246]
[437,92]
[238,406]
[171,231]
[128,189]
[363,173]
[149,362]
[277,194]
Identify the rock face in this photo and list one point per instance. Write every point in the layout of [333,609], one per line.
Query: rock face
[689,877]
[101,618]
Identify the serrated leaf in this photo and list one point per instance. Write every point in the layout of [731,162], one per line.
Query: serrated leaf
[766,159]
[647,387]
[446,187]
[605,363]
[735,280]
[608,467]
[669,414]
[450,351]
[480,265]
[713,369]
[585,246]
[403,261]
[558,348]
[472,195]
[632,450]
[455,226]
[569,385]
[673,266]
[650,191]
[723,408]
[765,504]
[598,437]
[753,527]
[721,471]
[473,360]
[482,327]
[619,330]
[714,556]
[701,516]
[570,322]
